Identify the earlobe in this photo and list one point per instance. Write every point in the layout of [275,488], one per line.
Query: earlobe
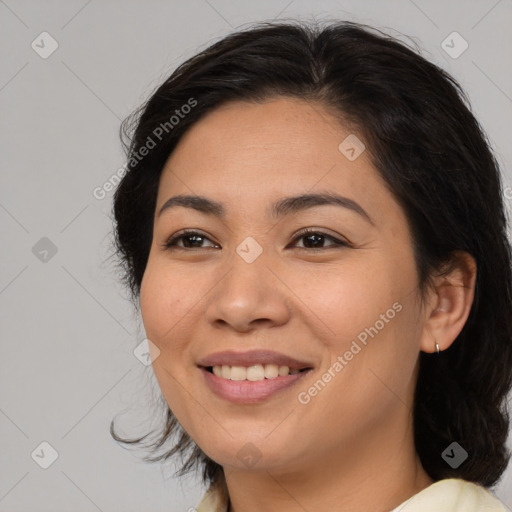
[451,300]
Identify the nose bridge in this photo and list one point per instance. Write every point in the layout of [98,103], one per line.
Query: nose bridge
[248,274]
[250,250]
[248,291]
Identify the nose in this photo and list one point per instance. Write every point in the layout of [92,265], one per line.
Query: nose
[250,295]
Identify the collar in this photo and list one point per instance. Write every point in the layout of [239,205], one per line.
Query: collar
[448,495]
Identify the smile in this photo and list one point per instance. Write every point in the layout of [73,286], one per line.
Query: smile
[250,385]
[253,373]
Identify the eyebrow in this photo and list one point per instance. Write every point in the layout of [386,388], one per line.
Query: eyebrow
[279,209]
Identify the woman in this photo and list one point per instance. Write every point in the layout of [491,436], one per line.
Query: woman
[312,222]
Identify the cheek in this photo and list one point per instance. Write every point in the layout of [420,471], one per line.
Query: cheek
[167,316]
[371,316]
[352,300]
[164,308]
[153,298]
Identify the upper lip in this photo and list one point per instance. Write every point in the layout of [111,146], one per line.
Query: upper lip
[252,357]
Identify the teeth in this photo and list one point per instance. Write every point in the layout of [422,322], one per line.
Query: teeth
[238,373]
[271,371]
[225,371]
[252,373]
[283,371]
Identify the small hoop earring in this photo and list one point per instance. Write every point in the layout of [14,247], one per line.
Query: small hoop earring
[437,348]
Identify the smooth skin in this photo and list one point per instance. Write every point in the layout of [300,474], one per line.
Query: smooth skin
[351,447]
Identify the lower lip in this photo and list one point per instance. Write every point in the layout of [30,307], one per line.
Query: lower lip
[249,392]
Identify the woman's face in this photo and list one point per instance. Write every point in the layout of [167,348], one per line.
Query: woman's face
[247,281]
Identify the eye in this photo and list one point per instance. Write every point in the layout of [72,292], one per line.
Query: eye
[315,238]
[193,240]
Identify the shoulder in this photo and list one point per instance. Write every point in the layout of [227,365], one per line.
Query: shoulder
[215,499]
[448,495]
[452,495]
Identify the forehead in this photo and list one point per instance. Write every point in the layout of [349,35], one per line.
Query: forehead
[245,152]
[283,128]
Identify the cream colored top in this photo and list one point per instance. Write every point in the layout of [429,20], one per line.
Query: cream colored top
[449,495]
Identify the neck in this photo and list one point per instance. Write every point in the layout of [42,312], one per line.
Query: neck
[377,474]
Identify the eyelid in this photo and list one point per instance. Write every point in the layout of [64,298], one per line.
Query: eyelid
[338,241]
[183,234]
[189,232]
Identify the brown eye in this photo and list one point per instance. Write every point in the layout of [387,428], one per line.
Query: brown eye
[315,240]
[191,240]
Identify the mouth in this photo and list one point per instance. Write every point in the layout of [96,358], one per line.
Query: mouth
[254,373]
[220,362]
[252,376]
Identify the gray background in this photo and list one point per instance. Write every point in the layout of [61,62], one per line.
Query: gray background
[67,331]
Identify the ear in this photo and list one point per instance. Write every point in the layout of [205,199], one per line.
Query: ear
[449,302]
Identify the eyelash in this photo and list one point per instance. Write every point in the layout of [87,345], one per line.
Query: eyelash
[170,244]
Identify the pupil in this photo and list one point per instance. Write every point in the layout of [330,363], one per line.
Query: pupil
[195,238]
[315,236]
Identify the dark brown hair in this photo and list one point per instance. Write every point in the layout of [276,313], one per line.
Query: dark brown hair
[433,155]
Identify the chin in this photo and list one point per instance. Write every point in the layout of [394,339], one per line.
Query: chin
[253,455]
